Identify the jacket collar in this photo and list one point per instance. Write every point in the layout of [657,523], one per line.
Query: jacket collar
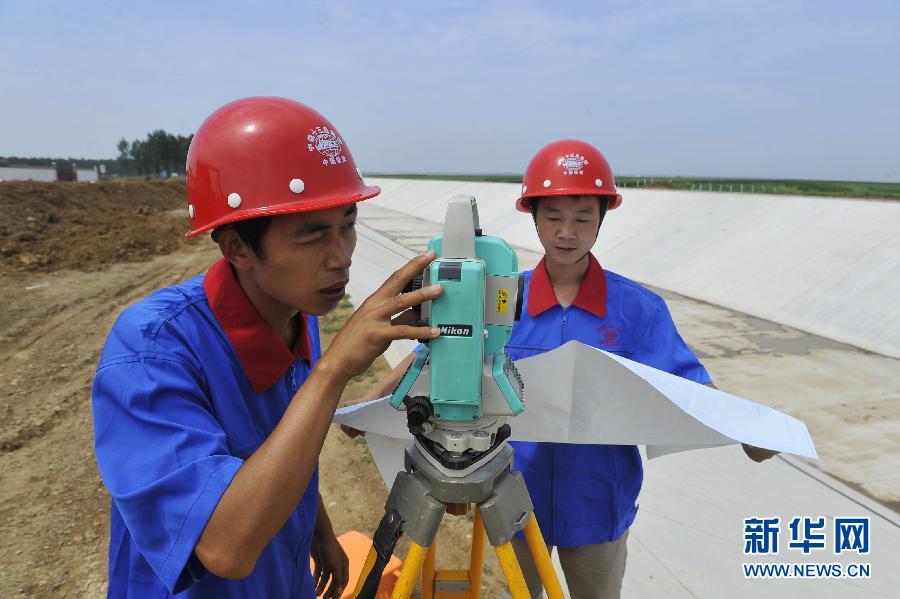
[591,294]
[262,355]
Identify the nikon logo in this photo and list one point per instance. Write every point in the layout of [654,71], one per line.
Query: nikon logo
[455,330]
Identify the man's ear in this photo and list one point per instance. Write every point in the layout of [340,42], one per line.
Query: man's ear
[235,250]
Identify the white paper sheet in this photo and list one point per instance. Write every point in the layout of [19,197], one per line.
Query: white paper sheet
[580,394]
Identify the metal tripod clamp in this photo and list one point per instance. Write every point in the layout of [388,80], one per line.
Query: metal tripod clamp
[420,495]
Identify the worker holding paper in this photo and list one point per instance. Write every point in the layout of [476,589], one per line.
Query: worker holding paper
[585,495]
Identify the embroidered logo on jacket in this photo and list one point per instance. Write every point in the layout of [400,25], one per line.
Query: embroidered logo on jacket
[609,335]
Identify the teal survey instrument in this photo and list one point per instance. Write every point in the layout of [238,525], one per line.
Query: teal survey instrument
[461,386]
[458,393]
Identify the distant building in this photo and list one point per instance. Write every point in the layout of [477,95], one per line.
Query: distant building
[60,172]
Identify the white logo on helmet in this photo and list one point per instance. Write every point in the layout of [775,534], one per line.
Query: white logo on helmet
[572,164]
[327,143]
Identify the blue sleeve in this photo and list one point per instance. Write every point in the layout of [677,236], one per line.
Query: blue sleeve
[315,342]
[163,457]
[669,352]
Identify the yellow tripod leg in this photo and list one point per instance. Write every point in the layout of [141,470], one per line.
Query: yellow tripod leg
[407,581]
[428,572]
[541,557]
[367,567]
[511,570]
[476,559]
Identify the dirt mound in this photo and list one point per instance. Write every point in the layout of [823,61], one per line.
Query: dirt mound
[46,227]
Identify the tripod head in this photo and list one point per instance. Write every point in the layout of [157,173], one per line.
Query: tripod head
[462,386]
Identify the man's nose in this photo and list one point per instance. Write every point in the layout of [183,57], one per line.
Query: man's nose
[566,230]
[340,254]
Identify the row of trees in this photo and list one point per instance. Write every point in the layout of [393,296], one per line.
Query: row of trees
[161,153]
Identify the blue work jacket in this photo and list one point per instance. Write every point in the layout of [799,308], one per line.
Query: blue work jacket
[190,383]
[586,494]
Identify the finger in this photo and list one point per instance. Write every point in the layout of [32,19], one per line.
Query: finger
[351,432]
[757,454]
[344,577]
[404,301]
[411,332]
[318,572]
[322,584]
[408,317]
[397,281]
[333,591]
[766,454]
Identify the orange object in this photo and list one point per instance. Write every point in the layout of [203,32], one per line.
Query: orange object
[356,545]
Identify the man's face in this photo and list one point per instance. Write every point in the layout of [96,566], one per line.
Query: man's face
[305,262]
[567,226]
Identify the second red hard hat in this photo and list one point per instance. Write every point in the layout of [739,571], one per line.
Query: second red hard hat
[568,167]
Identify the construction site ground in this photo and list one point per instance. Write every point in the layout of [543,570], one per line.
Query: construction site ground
[72,256]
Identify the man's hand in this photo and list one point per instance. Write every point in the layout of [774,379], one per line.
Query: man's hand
[352,432]
[757,454]
[332,568]
[384,317]
[384,387]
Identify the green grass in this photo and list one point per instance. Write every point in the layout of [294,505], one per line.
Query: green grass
[808,187]
[332,322]
[369,376]
[366,456]
[482,178]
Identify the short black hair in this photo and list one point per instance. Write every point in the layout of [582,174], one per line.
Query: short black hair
[251,232]
[603,202]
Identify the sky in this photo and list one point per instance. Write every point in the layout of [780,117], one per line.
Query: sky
[766,89]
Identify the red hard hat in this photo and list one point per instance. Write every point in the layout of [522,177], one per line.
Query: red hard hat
[263,156]
[568,167]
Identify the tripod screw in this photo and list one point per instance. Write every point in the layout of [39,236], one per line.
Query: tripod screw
[418,411]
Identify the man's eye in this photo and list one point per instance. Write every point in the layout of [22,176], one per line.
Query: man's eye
[348,226]
[308,237]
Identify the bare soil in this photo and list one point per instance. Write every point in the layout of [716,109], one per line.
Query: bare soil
[46,227]
[72,256]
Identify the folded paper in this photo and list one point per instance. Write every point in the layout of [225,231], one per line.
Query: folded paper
[580,394]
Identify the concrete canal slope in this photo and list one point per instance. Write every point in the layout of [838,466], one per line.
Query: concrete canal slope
[688,539]
[828,266]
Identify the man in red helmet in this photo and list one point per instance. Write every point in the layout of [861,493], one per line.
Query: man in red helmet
[585,495]
[212,398]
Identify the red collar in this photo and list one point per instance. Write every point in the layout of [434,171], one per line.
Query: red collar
[261,353]
[591,294]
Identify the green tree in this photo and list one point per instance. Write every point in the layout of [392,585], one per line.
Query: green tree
[124,157]
[160,151]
